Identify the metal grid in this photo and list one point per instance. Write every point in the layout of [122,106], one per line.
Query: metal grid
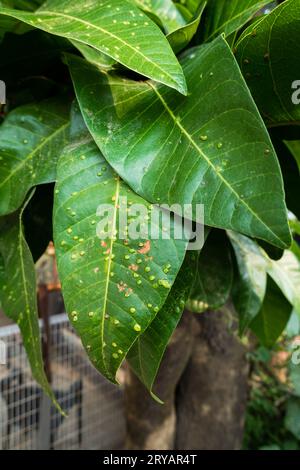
[27,419]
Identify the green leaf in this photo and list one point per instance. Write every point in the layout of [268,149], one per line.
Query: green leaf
[163,10]
[182,36]
[292,417]
[213,279]
[112,288]
[147,352]
[213,142]
[286,273]
[223,16]
[32,137]
[28,5]
[294,148]
[115,28]
[95,57]
[18,293]
[268,54]
[254,264]
[250,287]
[189,7]
[273,316]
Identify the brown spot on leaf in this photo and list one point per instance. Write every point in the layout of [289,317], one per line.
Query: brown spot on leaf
[146,248]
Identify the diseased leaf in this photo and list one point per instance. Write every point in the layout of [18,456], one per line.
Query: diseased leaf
[32,137]
[209,148]
[115,28]
[214,275]
[250,287]
[273,316]
[182,36]
[223,16]
[18,293]
[147,352]
[268,54]
[112,288]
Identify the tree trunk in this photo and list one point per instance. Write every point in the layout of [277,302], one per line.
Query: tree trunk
[151,425]
[212,393]
[203,383]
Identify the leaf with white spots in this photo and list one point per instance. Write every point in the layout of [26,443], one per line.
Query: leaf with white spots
[18,293]
[209,148]
[113,287]
[146,354]
[116,28]
[31,137]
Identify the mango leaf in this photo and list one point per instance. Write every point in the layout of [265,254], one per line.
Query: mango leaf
[115,28]
[209,148]
[112,288]
[273,316]
[18,293]
[182,36]
[223,16]
[214,275]
[294,148]
[147,352]
[188,8]
[286,273]
[95,57]
[292,417]
[268,54]
[254,264]
[165,11]
[31,139]
[250,287]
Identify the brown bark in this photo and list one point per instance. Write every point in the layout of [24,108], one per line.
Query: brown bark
[151,425]
[203,382]
[212,393]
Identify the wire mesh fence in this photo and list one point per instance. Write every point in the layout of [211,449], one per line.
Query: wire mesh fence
[28,421]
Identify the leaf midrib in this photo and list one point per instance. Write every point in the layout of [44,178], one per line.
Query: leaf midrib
[117,192]
[194,144]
